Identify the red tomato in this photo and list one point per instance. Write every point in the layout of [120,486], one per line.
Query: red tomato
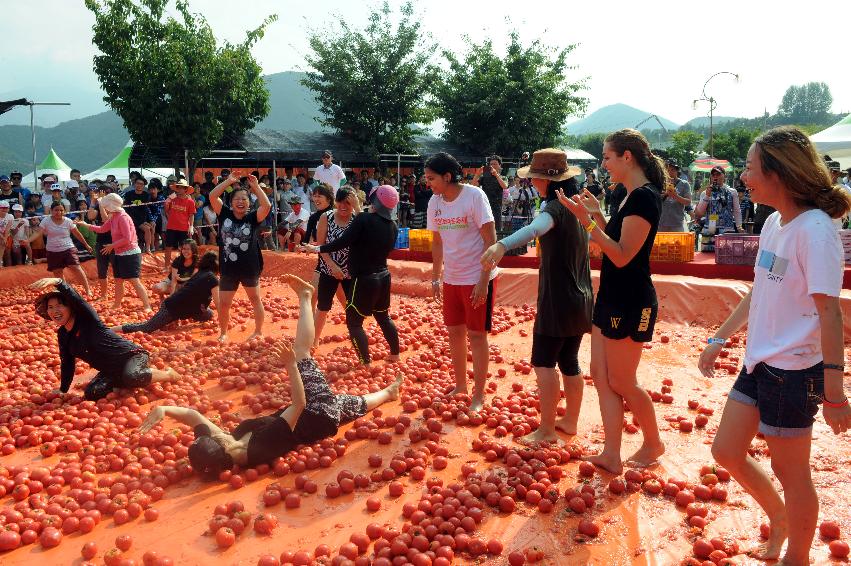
[50,537]
[89,550]
[225,537]
[839,548]
[124,542]
[9,540]
[265,523]
[829,530]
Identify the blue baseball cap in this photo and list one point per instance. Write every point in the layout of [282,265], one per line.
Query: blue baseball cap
[4,178]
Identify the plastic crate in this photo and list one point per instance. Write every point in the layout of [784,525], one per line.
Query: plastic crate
[736,249]
[673,247]
[419,240]
[402,240]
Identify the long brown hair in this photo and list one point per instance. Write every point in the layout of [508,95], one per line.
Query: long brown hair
[634,141]
[788,153]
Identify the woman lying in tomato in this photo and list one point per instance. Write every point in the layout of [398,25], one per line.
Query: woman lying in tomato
[82,334]
[315,412]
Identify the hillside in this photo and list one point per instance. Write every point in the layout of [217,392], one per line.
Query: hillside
[703,121]
[87,143]
[614,117]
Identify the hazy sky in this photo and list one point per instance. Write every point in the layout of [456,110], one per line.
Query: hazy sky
[654,55]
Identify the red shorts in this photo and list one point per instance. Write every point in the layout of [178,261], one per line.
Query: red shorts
[458,308]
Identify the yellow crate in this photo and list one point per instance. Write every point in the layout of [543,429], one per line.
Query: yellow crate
[671,247]
[419,240]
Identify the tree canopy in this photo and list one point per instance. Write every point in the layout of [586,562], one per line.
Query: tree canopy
[170,82]
[372,84]
[684,146]
[510,104]
[806,104]
[733,144]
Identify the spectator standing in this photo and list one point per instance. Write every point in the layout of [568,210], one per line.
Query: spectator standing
[323,201]
[422,195]
[180,210]
[301,189]
[56,196]
[329,172]
[462,223]
[21,250]
[719,205]
[491,182]
[591,183]
[675,199]
[15,177]
[61,252]
[200,198]
[157,196]
[6,219]
[8,194]
[285,194]
[97,215]
[136,201]
[208,184]
[292,231]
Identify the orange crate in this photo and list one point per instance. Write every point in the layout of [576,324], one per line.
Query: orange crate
[673,247]
[419,240]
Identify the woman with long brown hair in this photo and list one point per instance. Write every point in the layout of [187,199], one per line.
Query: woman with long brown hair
[626,307]
[794,357]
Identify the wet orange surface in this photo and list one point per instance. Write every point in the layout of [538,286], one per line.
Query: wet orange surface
[234,381]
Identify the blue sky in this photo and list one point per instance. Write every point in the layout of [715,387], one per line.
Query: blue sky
[651,55]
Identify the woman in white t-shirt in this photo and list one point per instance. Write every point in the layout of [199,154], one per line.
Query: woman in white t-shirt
[61,252]
[461,221]
[794,354]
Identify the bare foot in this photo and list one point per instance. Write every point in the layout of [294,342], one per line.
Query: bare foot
[609,463]
[97,299]
[117,328]
[646,455]
[393,389]
[254,336]
[300,286]
[457,391]
[148,310]
[770,549]
[540,436]
[392,359]
[223,338]
[566,426]
[172,374]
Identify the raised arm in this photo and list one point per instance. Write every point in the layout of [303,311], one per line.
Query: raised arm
[189,417]
[264,206]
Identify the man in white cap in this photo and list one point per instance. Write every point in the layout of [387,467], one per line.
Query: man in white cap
[5,226]
[329,172]
[20,236]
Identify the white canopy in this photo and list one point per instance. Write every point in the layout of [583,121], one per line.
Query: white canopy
[836,141]
[118,167]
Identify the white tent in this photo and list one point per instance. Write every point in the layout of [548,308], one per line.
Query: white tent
[836,141]
[118,166]
[51,165]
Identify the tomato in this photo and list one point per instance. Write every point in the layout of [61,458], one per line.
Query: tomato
[268,560]
[89,550]
[589,528]
[265,523]
[151,514]
[292,501]
[829,530]
[839,548]
[373,504]
[225,537]
[50,537]
[9,540]
[577,505]
[702,548]
[124,542]
[586,469]
[516,558]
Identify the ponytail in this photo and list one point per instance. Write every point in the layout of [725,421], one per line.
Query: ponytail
[651,165]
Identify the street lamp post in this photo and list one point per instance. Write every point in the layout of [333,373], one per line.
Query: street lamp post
[712,105]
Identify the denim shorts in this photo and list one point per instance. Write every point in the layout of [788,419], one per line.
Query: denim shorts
[787,400]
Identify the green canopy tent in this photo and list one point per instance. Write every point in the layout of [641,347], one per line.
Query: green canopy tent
[119,167]
[51,165]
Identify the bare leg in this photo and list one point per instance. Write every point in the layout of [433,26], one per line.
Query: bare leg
[319,324]
[82,275]
[143,295]
[103,286]
[790,460]
[573,390]
[59,273]
[167,259]
[304,332]
[119,293]
[622,359]
[738,426]
[548,394]
[458,353]
[611,408]
[315,282]
[149,238]
[259,314]
[389,393]
[479,349]
[225,300]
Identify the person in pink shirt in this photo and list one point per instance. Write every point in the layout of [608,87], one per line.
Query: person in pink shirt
[128,255]
[180,210]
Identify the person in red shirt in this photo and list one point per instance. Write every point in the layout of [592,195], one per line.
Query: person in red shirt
[180,209]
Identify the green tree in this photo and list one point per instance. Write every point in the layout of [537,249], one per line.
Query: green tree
[372,84]
[733,144]
[173,86]
[809,103]
[511,104]
[592,143]
[684,146]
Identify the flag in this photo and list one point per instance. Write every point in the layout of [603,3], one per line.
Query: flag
[7,105]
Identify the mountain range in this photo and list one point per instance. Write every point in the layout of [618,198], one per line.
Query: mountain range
[88,141]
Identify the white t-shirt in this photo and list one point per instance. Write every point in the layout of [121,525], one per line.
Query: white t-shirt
[303,216]
[20,229]
[330,175]
[58,235]
[794,262]
[458,223]
[6,222]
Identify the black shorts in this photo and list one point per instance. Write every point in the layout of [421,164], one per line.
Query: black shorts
[232,282]
[173,238]
[326,289]
[158,225]
[549,350]
[787,400]
[104,261]
[369,293]
[618,323]
[127,266]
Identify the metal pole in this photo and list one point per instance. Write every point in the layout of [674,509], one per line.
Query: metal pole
[398,172]
[711,130]
[186,165]
[275,205]
[32,130]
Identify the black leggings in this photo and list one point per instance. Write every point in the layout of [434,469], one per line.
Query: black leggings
[162,318]
[369,295]
[136,373]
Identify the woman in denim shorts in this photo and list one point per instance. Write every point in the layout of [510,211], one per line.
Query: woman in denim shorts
[794,355]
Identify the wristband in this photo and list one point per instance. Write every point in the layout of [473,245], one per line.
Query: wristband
[833,405]
[590,227]
[719,341]
[435,282]
[838,367]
